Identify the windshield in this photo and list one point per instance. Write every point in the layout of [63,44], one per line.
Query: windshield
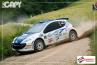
[36,28]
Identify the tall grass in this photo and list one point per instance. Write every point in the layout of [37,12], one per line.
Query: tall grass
[7,33]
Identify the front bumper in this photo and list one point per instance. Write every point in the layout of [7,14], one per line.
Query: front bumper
[18,46]
[22,48]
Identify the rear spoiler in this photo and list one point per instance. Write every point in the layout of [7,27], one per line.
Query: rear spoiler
[62,19]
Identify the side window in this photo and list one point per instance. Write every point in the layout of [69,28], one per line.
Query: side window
[61,23]
[51,27]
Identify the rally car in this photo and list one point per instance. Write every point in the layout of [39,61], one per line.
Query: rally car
[44,33]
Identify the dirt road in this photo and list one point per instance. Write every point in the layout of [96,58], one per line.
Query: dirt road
[64,54]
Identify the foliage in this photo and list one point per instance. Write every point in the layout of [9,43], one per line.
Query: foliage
[77,12]
[32,8]
[9,31]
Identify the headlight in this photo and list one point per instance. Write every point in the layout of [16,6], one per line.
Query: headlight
[14,40]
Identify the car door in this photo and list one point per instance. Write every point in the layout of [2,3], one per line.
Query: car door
[49,32]
[63,31]
[60,32]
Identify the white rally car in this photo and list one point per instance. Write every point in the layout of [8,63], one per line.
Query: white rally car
[43,34]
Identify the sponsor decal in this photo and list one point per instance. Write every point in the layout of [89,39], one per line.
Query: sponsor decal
[49,34]
[50,40]
[58,33]
[86,59]
[61,30]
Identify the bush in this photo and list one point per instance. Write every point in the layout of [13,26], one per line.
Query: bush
[9,31]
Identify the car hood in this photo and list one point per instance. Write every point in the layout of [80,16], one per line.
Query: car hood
[24,37]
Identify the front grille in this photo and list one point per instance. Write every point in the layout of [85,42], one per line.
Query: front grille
[18,46]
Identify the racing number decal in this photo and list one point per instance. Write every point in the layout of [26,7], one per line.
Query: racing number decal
[58,33]
[55,36]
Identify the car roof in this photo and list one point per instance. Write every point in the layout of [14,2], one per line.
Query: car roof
[49,21]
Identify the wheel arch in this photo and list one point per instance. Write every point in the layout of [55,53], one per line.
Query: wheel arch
[40,39]
[73,30]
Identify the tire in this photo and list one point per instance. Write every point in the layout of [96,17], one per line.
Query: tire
[39,45]
[73,35]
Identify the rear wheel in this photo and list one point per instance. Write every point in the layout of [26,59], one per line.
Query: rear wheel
[39,45]
[73,35]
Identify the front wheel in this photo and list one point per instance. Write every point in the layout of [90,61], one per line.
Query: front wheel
[73,35]
[39,45]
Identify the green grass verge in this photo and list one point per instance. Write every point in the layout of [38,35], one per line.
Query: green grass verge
[77,12]
[93,44]
[7,33]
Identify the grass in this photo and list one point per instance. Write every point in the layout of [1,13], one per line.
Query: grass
[93,44]
[77,12]
[9,31]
